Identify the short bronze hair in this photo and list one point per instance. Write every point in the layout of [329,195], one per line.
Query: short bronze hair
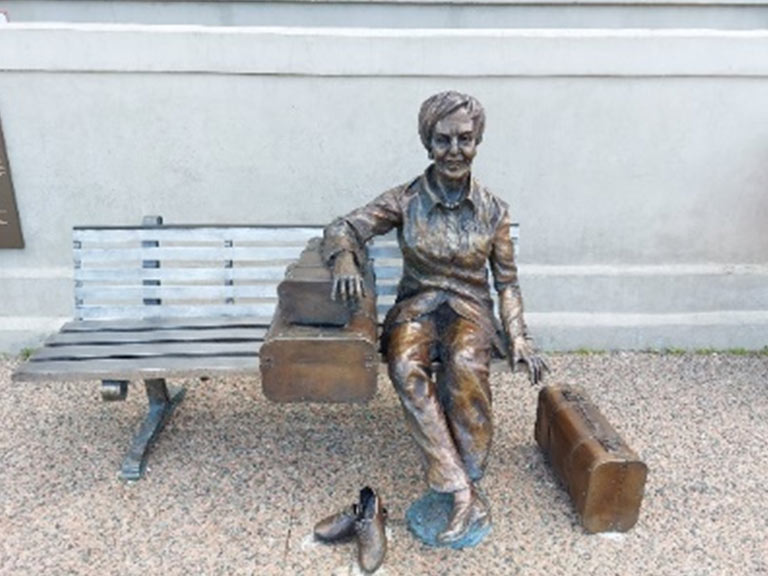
[437,107]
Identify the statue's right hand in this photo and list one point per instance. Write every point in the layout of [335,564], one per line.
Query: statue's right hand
[347,280]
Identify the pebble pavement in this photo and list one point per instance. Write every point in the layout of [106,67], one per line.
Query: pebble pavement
[235,483]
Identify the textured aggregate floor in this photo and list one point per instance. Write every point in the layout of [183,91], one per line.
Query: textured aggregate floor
[236,483]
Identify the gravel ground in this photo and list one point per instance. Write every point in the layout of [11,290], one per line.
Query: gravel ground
[235,483]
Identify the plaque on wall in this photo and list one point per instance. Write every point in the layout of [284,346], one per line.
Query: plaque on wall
[10,227]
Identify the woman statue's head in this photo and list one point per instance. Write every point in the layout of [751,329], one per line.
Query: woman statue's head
[437,107]
[451,126]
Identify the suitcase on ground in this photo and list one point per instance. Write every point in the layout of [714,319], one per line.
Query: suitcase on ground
[602,474]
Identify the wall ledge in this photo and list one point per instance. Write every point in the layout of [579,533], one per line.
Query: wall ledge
[122,48]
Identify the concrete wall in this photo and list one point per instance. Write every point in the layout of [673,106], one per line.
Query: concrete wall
[635,161]
[721,14]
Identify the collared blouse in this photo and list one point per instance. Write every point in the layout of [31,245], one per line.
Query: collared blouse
[446,248]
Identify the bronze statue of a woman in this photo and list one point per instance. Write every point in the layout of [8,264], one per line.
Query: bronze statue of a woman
[450,230]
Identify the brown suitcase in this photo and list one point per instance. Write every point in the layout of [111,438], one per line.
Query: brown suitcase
[603,476]
[321,363]
[305,293]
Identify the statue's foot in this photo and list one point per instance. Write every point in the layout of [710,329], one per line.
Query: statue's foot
[470,514]
[431,515]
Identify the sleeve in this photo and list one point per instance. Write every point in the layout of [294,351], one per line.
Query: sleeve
[502,257]
[504,269]
[350,233]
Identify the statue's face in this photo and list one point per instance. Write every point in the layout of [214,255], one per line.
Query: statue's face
[454,145]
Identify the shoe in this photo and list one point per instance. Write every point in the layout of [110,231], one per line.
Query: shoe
[339,527]
[466,518]
[371,535]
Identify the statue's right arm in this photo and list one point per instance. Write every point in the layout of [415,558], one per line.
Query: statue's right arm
[504,268]
[344,241]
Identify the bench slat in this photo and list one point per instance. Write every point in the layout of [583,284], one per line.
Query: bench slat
[189,350]
[150,324]
[385,251]
[383,289]
[269,235]
[148,336]
[174,311]
[187,254]
[387,272]
[271,272]
[188,292]
[136,368]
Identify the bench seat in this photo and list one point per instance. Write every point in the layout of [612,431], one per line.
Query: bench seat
[148,348]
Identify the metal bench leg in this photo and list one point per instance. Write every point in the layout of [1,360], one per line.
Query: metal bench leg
[114,390]
[162,401]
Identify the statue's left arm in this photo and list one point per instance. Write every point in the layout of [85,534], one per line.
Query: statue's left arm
[521,348]
[344,241]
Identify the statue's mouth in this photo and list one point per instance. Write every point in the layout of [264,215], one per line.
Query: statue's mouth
[455,164]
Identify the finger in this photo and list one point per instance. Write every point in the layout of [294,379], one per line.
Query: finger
[545,365]
[334,288]
[349,283]
[354,287]
[350,288]
[362,287]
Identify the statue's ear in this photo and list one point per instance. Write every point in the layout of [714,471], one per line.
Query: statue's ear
[430,155]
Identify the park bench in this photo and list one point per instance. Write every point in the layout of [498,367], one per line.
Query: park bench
[155,301]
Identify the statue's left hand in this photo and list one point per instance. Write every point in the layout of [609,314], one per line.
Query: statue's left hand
[347,280]
[522,351]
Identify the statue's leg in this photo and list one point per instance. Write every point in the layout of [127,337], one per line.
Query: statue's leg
[408,354]
[465,393]
[451,513]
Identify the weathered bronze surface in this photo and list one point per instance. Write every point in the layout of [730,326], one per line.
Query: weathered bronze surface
[603,475]
[10,227]
[450,230]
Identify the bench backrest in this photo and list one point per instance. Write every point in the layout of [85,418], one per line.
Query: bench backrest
[159,271]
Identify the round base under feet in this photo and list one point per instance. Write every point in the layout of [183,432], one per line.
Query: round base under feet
[429,515]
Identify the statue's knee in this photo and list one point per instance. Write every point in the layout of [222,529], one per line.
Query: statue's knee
[464,357]
[468,362]
[401,368]
[409,379]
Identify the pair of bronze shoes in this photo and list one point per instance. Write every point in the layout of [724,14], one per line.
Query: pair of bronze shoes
[364,522]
